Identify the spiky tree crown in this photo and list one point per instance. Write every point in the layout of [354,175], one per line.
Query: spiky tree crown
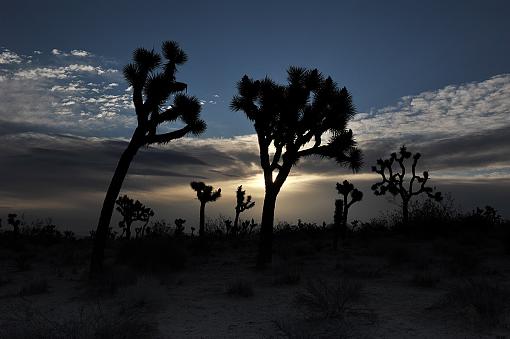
[393,179]
[205,193]
[153,82]
[243,205]
[346,189]
[133,210]
[303,111]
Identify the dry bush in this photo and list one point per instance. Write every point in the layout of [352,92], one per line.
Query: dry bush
[22,320]
[321,299]
[240,288]
[425,279]
[479,301]
[39,286]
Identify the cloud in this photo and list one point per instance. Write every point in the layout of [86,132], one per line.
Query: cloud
[56,51]
[9,57]
[64,123]
[80,53]
[451,111]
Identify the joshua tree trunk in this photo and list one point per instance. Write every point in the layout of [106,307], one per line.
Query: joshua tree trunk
[201,231]
[96,264]
[405,211]
[266,229]
[344,219]
[128,231]
[236,220]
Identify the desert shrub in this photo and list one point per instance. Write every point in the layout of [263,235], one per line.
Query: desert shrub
[461,260]
[24,321]
[287,276]
[145,293]
[153,254]
[398,254]
[429,218]
[358,271]
[479,301]
[23,261]
[240,288]
[425,279]
[329,300]
[114,278]
[35,287]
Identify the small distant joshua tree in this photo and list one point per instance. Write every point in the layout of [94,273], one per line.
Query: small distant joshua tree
[342,208]
[132,211]
[153,82]
[179,227]
[12,219]
[242,204]
[205,194]
[393,180]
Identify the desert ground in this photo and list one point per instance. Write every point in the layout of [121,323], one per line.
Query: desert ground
[376,285]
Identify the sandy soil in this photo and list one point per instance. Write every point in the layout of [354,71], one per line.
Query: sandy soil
[194,303]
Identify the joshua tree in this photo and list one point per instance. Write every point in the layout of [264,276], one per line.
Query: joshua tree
[12,219]
[393,180]
[242,205]
[205,194]
[179,227]
[153,82]
[342,208]
[132,211]
[293,121]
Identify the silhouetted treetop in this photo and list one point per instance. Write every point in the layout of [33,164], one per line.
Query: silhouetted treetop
[205,193]
[301,112]
[153,82]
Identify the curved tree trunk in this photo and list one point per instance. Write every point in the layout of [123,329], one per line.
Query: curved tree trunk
[266,229]
[96,263]
[201,231]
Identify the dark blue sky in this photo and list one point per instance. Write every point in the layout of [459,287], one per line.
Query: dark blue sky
[380,50]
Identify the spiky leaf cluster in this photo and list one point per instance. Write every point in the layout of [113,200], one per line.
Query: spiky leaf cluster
[205,193]
[393,180]
[297,117]
[152,79]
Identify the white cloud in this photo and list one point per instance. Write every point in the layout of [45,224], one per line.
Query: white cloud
[454,110]
[56,51]
[37,52]
[80,53]
[8,57]
[62,72]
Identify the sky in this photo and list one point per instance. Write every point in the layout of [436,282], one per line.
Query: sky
[432,75]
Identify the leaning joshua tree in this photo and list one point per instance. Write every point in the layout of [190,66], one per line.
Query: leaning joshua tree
[131,212]
[205,194]
[342,208]
[308,116]
[394,181]
[153,82]
[242,204]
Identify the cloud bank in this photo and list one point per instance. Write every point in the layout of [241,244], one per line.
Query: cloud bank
[66,117]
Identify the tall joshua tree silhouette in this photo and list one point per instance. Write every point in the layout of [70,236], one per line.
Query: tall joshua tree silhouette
[342,208]
[205,194]
[393,181]
[288,118]
[242,204]
[153,82]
